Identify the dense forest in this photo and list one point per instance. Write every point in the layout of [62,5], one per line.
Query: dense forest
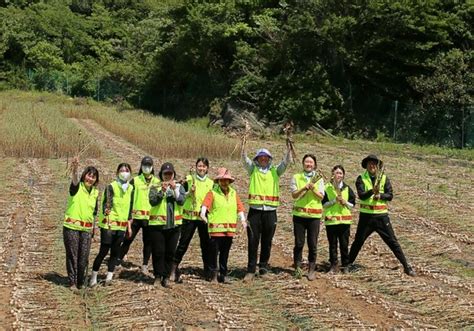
[383,69]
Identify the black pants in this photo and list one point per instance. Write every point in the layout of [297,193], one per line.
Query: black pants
[187,232]
[219,246]
[380,224]
[163,248]
[109,240]
[301,226]
[77,244]
[136,226]
[262,228]
[335,233]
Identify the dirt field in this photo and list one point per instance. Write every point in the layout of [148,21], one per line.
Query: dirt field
[431,214]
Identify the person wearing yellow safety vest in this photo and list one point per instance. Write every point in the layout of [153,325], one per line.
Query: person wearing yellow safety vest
[220,209]
[307,188]
[114,222]
[263,199]
[141,209]
[374,211]
[337,203]
[78,222]
[165,222]
[196,186]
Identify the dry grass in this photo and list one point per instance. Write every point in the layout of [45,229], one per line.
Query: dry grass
[155,134]
[36,125]
[31,127]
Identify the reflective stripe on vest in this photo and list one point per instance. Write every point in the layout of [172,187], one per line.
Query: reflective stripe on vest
[80,209]
[223,212]
[263,198]
[307,206]
[141,204]
[337,214]
[136,213]
[117,219]
[120,224]
[202,188]
[371,206]
[264,188]
[78,223]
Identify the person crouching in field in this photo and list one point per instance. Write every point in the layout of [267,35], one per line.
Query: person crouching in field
[264,198]
[197,185]
[220,209]
[337,203]
[79,222]
[165,222]
[307,188]
[141,209]
[115,220]
[375,190]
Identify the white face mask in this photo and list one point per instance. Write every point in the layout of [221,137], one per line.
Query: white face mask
[147,169]
[124,175]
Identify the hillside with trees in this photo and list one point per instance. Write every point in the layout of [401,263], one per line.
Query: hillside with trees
[399,70]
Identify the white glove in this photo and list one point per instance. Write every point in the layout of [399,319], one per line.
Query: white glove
[203,213]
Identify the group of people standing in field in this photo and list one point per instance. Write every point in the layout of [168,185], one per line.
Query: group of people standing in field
[169,211]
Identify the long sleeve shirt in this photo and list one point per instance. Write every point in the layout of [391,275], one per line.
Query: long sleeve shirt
[108,201]
[350,203]
[250,165]
[363,195]
[177,195]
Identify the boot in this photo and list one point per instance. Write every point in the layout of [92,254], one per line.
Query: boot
[93,281]
[249,277]
[174,267]
[224,279]
[166,283]
[409,271]
[312,271]
[333,269]
[214,277]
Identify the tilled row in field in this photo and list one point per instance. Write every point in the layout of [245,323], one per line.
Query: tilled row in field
[416,302]
[11,221]
[32,299]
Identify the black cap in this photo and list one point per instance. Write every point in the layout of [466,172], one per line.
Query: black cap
[166,167]
[147,160]
[370,157]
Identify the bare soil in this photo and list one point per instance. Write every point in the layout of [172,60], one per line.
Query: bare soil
[431,215]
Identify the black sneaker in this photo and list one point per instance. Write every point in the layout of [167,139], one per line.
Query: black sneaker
[352,268]
[263,271]
[409,271]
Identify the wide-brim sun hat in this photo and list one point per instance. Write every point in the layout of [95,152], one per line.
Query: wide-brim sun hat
[370,157]
[223,173]
[262,152]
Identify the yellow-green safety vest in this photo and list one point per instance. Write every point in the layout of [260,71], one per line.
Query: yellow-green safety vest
[308,205]
[118,217]
[141,203]
[337,214]
[80,209]
[158,213]
[202,188]
[264,188]
[371,206]
[222,217]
